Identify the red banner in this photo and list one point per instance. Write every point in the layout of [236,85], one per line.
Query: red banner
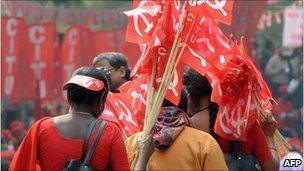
[218,10]
[130,50]
[104,41]
[40,59]
[12,40]
[71,50]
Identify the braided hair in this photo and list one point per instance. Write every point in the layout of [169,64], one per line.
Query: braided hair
[199,87]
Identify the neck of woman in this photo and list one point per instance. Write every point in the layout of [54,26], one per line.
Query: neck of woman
[83,109]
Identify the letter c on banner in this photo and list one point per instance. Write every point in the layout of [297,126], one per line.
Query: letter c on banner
[37,34]
[11,27]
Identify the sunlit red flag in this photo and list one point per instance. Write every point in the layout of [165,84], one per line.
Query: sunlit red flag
[219,10]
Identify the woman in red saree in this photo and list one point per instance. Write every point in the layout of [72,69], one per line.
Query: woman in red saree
[51,142]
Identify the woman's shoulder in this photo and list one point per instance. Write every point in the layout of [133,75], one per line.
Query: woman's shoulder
[112,130]
[197,136]
[43,122]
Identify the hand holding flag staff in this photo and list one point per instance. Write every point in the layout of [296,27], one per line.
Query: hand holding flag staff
[175,33]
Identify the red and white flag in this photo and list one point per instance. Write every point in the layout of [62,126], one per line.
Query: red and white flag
[143,19]
[219,10]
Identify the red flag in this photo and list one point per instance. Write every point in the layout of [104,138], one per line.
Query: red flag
[143,19]
[127,109]
[12,39]
[236,89]
[218,10]
[40,57]
[206,40]
[120,106]
[176,85]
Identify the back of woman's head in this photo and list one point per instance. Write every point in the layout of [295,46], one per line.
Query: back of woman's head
[196,85]
[79,95]
[199,87]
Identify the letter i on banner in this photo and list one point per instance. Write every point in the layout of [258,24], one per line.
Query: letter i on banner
[12,30]
[40,57]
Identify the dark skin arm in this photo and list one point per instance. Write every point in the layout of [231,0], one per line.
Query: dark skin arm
[269,128]
[146,147]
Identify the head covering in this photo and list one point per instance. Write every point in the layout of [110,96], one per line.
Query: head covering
[171,121]
[86,82]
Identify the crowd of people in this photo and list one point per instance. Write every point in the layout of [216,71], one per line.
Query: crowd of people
[186,129]
[283,69]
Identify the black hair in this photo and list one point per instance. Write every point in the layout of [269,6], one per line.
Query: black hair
[196,85]
[80,95]
[199,87]
[182,102]
[116,60]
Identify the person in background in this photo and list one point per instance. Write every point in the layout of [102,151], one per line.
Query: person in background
[18,132]
[174,145]
[7,148]
[116,65]
[203,113]
[52,142]
[256,54]
[267,53]
[277,70]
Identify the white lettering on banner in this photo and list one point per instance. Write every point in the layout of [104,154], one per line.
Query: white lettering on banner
[37,67]
[193,37]
[8,84]
[11,29]
[190,17]
[217,5]
[139,96]
[240,121]
[206,41]
[225,44]
[222,59]
[72,40]
[69,68]
[10,60]
[124,114]
[203,61]
[162,51]
[225,116]
[139,13]
[42,88]
[177,4]
[37,36]
[173,83]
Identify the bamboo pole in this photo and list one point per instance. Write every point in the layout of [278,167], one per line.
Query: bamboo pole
[280,143]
